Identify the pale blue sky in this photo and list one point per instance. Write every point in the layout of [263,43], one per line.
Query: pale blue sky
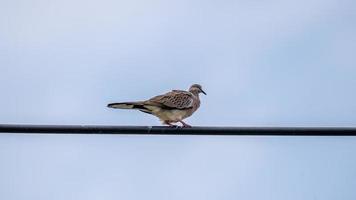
[278,63]
[262,63]
[111,167]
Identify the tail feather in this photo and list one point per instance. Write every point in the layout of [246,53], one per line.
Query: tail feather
[139,105]
[127,105]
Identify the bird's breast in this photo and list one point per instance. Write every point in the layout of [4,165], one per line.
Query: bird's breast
[173,115]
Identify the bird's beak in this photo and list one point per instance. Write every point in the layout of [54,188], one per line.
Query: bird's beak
[203,92]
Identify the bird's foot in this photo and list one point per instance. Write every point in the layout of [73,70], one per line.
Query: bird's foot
[185,125]
[169,123]
[173,126]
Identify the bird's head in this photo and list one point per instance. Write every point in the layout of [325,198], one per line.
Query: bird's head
[196,89]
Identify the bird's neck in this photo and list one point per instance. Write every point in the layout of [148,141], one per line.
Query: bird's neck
[195,93]
[197,100]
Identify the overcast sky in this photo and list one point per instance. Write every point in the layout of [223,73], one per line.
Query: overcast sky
[262,63]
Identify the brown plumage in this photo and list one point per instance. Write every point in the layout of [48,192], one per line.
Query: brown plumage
[171,107]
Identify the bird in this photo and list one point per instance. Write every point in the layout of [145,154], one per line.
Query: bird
[171,107]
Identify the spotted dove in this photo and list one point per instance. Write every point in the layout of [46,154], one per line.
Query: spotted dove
[171,107]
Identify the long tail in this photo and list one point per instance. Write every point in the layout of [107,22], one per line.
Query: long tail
[139,105]
[127,105]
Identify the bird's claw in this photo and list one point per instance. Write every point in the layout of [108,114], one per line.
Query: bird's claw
[174,126]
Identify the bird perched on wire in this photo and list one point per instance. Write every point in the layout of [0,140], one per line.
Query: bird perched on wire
[171,107]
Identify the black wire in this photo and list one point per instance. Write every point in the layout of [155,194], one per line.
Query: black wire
[163,130]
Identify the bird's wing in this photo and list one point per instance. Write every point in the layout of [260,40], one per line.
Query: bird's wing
[176,99]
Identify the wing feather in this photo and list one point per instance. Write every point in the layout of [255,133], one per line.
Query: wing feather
[176,99]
